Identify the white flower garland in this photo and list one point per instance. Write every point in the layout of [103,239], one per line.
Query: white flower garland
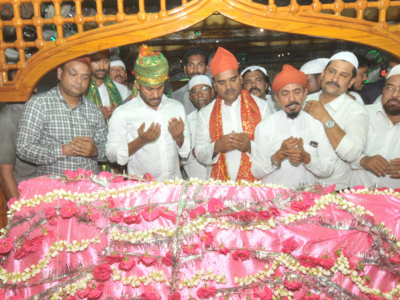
[73,288]
[155,275]
[202,275]
[54,250]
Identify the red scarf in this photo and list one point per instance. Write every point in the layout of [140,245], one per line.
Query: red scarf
[251,116]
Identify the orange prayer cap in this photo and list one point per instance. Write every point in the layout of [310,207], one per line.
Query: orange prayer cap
[84,59]
[289,75]
[223,61]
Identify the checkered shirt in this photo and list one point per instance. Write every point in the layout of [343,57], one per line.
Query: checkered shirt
[48,122]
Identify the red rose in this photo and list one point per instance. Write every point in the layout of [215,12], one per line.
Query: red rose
[126,265]
[104,174]
[326,263]
[167,260]
[68,210]
[51,215]
[148,261]
[397,190]
[69,298]
[198,211]
[70,174]
[148,177]
[150,214]
[96,292]
[395,259]
[149,296]
[94,216]
[307,196]
[116,217]
[289,245]
[132,219]
[84,293]
[20,254]
[274,211]
[167,214]
[292,286]
[241,254]
[264,215]
[6,245]
[33,244]
[205,293]
[114,258]
[329,189]
[190,249]
[266,294]
[208,238]
[224,250]
[175,296]
[215,205]
[300,205]
[118,179]
[382,189]
[102,272]
[308,261]
[245,216]
[359,187]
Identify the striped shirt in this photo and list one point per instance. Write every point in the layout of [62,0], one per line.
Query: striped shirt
[48,122]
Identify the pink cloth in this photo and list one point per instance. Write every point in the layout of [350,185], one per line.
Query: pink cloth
[312,239]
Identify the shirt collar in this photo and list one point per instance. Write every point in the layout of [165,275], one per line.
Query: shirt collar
[335,104]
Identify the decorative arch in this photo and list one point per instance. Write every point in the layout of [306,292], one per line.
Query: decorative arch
[305,20]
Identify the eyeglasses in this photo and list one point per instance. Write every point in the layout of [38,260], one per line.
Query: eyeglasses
[203,89]
[390,89]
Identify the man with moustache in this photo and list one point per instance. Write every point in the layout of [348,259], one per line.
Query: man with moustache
[195,62]
[61,129]
[148,133]
[256,82]
[313,70]
[345,121]
[225,128]
[103,91]
[379,164]
[201,94]
[298,145]
[118,72]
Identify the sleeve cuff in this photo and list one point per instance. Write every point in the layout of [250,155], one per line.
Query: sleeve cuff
[355,165]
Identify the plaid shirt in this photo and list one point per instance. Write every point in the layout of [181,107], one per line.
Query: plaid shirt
[48,122]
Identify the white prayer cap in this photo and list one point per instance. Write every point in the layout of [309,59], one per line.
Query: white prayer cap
[199,79]
[117,63]
[394,71]
[255,68]
[346,56]
[315,66]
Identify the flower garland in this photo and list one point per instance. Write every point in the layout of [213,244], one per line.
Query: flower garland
[202,275]
[54,250]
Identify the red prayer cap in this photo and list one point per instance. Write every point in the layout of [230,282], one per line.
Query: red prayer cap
[223,61]
[289,75]
[84,59]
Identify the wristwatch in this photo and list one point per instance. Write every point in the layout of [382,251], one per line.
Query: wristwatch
[276,165]
[330,124]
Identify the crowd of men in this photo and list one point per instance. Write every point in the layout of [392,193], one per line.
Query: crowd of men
[320,125]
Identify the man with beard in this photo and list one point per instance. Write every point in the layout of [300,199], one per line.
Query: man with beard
[195,62]
[61,129]
[345,121]
[103,91]
[118,72]
[298,151]
[225,128]
[379,165]
[313,70]
[256,82]
[201,94]
[148,133]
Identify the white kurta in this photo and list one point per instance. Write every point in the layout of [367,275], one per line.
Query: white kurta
[160,157]
[192,166]
[353,119]
[383,139]
[105,97]
[231,121]
[316,143]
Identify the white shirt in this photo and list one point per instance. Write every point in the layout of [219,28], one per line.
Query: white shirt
[192,166]
[160,157]
[383,139]
[105,97]
[269,136]
[231,121]
[353,119]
